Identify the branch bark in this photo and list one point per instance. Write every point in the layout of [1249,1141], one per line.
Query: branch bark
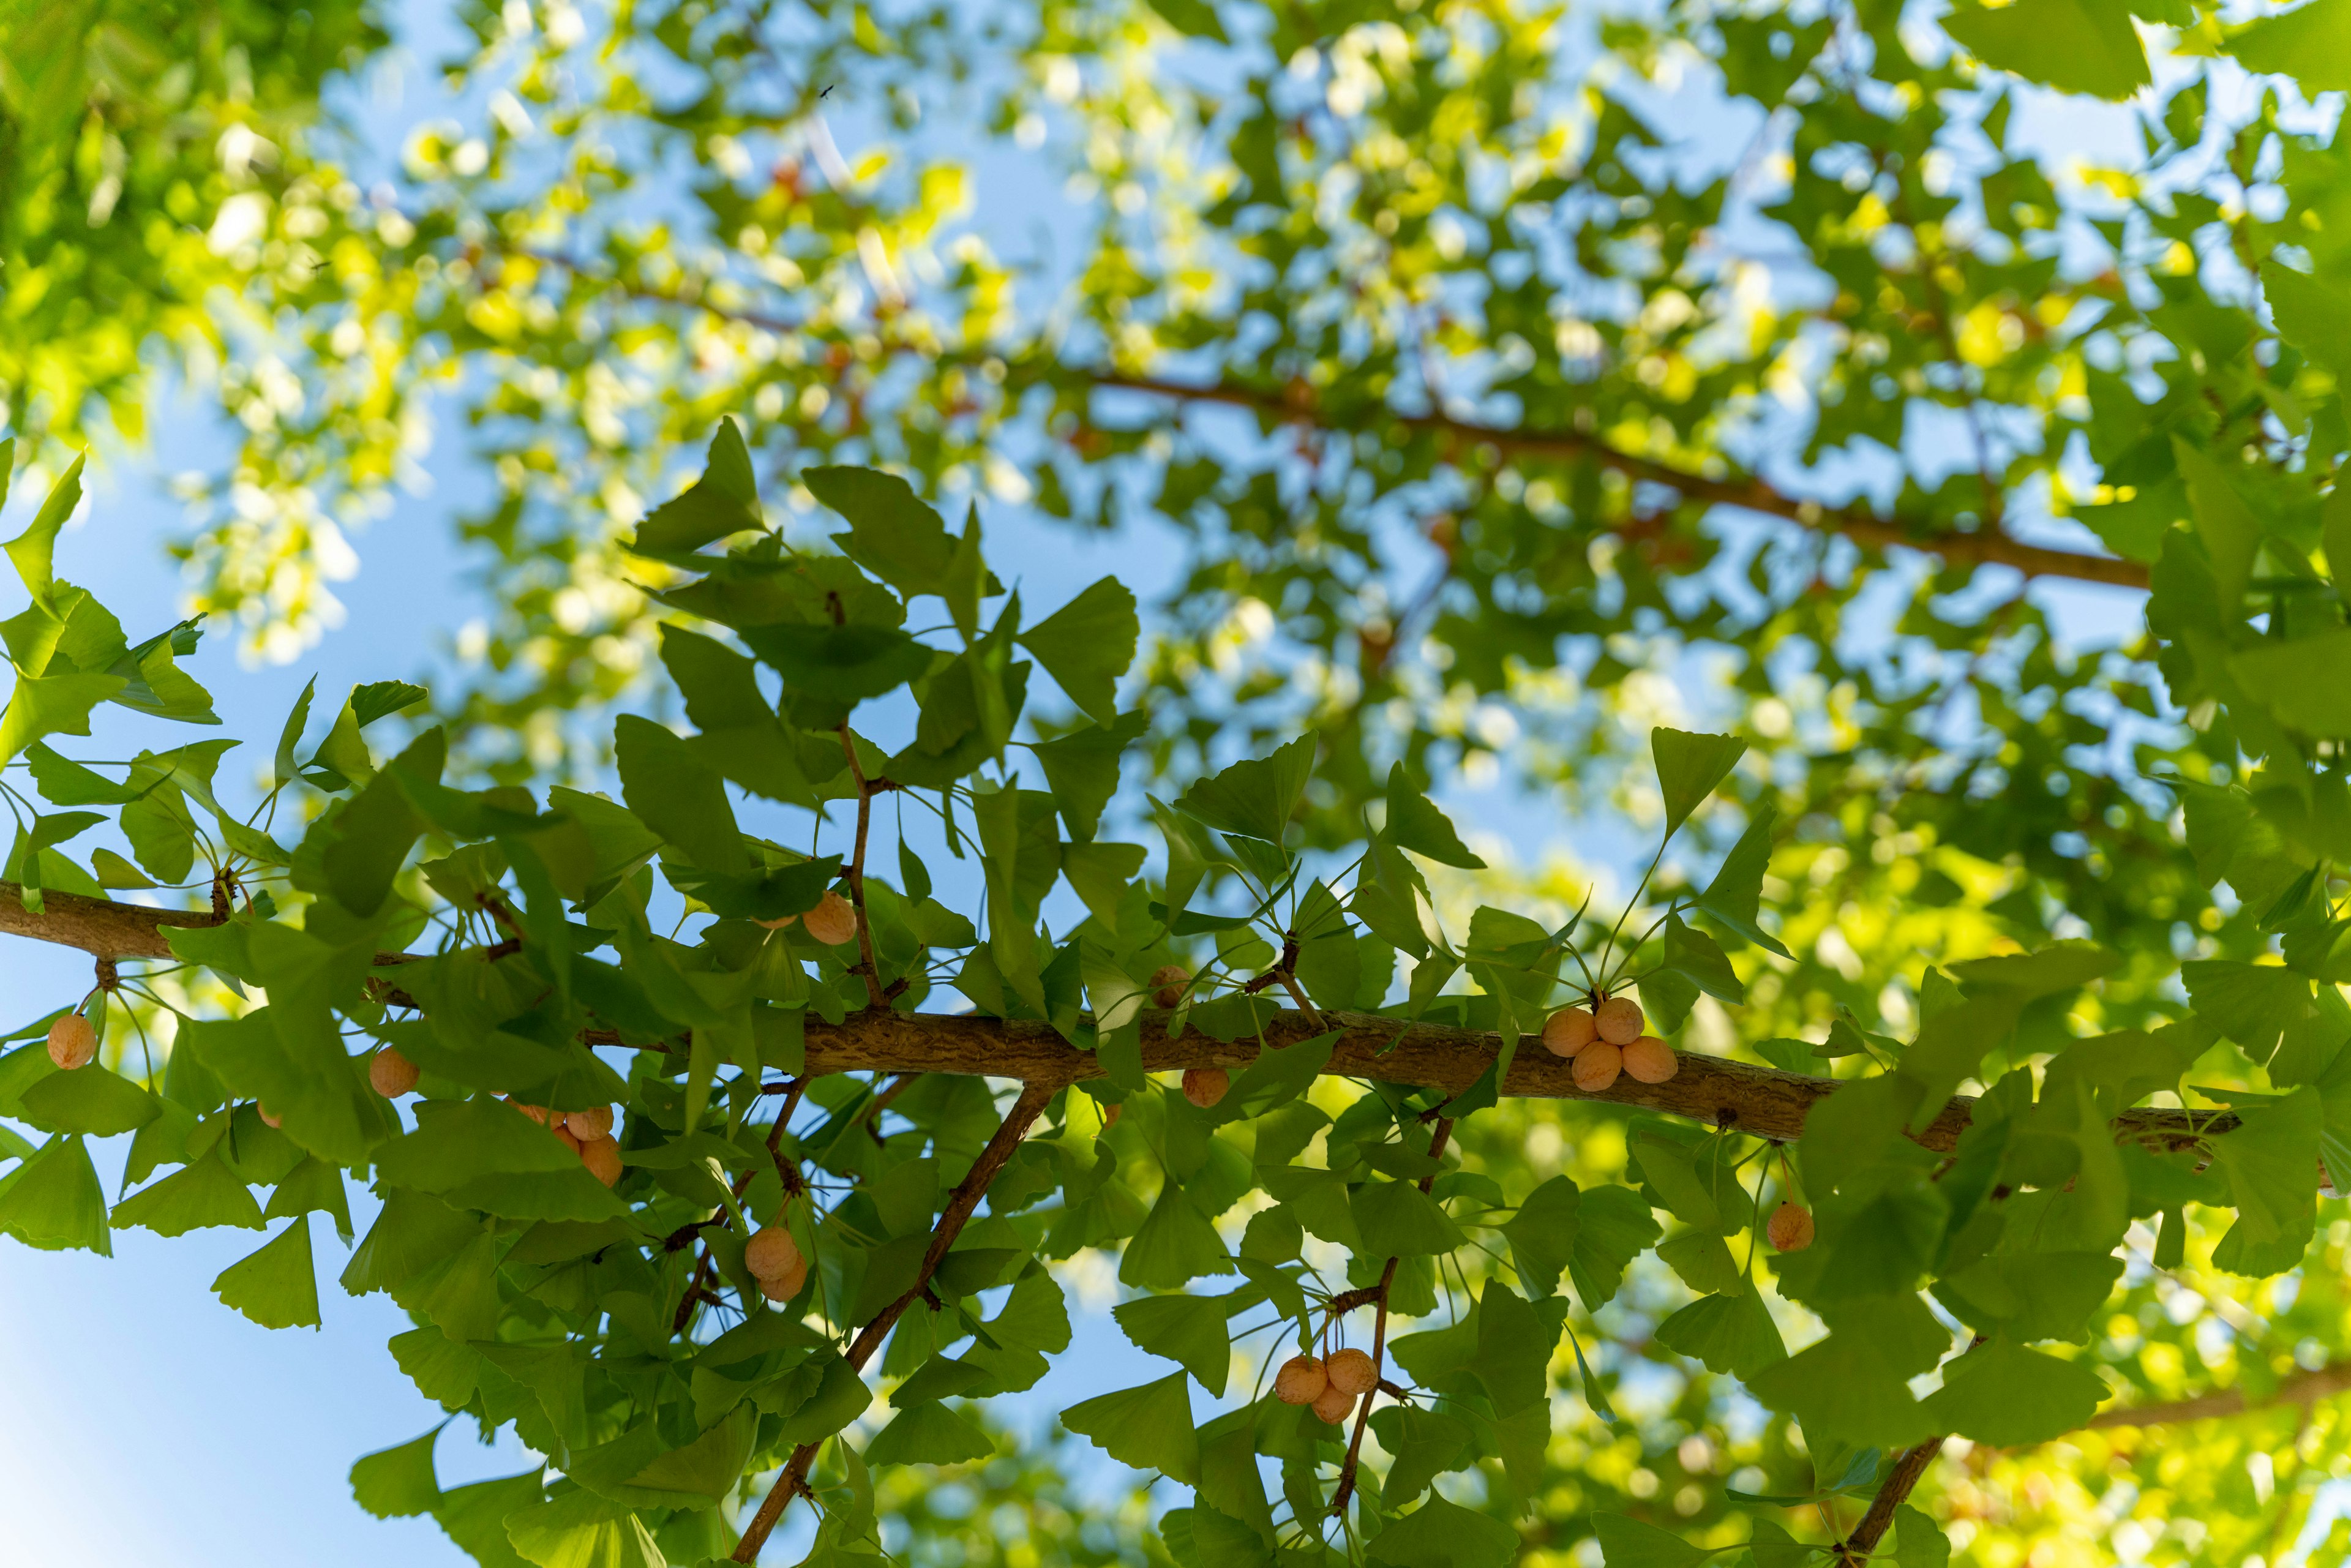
[960,1206]
[2303,1388]
[1908,1468]
[1347,1487]
[1761,1101]
[1988,546]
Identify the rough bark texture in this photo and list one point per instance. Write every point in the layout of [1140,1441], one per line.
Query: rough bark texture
[1762,1102]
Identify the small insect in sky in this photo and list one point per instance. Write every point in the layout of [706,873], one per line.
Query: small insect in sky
[826,93]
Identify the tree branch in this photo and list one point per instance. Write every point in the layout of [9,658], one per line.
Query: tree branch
[2305,1388]
[960,1206]
[1347,1487]
[1908,1468]
[1761,1101]
[1988,546]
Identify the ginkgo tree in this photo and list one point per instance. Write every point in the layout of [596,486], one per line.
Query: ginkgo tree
[732,1174]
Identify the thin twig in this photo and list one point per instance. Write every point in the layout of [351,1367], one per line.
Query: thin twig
[1347,1487]
[960,1206]
[1908,1468]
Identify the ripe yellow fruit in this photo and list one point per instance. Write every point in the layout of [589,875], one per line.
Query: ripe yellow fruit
[266,1119]
[1171,980]
[832,922]
[783,1287]
[1203,1086]
[1597,1065]
[73,1042]
[1651,1059]
[1619,1020]
[1569,1030]
[602,1158]
[1334,1405]
[771,1253]
[391,1074]
[1352,1372]
[536,1112]
[563,1136]
[1791,1229]
[777,925]
[1302,1380]
[590,1123]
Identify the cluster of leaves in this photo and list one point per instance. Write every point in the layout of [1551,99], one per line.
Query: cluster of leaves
[507,944]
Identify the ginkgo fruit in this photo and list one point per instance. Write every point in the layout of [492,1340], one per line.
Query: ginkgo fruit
[1597,1065]
[1334,1405]
[1302,1380]
[771,1253]
[602,1158]
[1569,1030]
[777,925]
[390,1073]
[1203,1086]
[593,1123]
[1619,1020]
[563,1135]
[783,1287]
[1791,1229]
[1351,1373]
[1170,981]
[832,922]
[73,1042]
[1651,1059]
[536,1112]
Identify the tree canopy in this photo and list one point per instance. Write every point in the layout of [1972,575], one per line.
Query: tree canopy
[1708,415]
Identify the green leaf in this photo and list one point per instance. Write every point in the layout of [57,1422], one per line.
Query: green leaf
[1613,1226]
[53,1201]
[678,795]
[1688,767]
[1442,1534]
[51,704]
[1514,1346]
[2008,1395]
[842,665]
[1543,1234]
[2268,1159]
[1629,1543]
[1730,1333]
[2230,532]
[2074,46]
[1415,823]
[1189,1330]
[1397,1219]
[89,1100]
[398,1483]
[1693,954]
[1425,1444]
[1087,644]
[1176,1245]
[1149,1428]
[32,551]
[892,533]
[1256,798]
[277,1285]
[381,699]
[724,500]
[199,1195]
[1737,886]
[1919,1540]
[2311,44]
[1081,768]
[929,1434]
[2306,683]
[582,1530]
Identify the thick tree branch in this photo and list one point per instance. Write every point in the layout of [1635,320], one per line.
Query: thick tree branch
[960,1206]
[1761,1101]
[1988,546]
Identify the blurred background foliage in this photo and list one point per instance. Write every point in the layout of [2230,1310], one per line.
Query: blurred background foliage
[1511,376]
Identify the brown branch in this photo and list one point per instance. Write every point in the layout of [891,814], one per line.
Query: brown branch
[1347,1487]
[2303,1388]
[1761,1101]
[1908,1468]
[874,998]
[960,1206]
[1985,547]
